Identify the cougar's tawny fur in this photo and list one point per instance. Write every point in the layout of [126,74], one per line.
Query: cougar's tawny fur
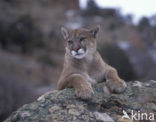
[83,65]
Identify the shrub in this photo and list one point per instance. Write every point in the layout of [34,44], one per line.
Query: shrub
[24,34]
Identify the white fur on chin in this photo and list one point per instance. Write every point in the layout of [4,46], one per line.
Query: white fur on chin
[80,56]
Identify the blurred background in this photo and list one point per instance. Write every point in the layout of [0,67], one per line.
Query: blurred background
[32,47]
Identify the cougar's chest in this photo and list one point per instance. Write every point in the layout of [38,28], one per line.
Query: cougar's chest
[95,71]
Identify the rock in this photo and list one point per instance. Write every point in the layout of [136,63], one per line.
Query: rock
[54,108]
[62,105]
[25,114]
[103,117]
[73,112]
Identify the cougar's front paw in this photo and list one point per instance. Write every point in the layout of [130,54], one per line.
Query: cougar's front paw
[116,86]
[85,92]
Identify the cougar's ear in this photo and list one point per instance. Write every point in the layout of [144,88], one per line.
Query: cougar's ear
[95,30]
[65,32]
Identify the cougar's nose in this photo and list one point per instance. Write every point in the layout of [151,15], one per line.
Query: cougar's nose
[76,48]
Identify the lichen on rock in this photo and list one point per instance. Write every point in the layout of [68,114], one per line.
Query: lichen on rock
[57,106]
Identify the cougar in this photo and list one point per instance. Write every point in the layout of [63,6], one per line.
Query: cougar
[83,65]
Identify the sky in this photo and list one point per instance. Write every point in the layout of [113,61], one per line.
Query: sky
[138,8]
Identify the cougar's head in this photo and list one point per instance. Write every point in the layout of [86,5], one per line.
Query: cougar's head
[80,42]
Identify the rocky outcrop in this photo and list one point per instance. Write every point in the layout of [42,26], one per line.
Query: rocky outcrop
[56,106]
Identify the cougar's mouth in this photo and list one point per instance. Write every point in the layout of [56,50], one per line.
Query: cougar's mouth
[79,54]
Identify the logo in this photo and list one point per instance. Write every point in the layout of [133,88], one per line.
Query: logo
[138,115]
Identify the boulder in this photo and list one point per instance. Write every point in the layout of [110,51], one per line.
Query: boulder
[55,106]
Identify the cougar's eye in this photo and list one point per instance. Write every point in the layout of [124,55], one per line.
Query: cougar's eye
[70,42]
[82,38]
[83,41]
